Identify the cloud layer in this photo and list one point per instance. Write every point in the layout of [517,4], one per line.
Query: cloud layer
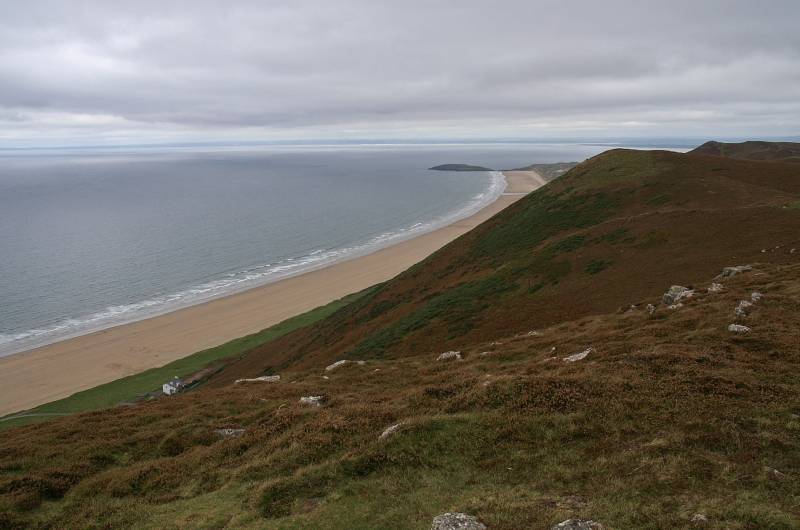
[128,71]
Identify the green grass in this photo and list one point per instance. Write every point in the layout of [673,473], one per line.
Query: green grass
[128,388]
[543,215]
[455,308]
[658,200]
[534,288]
[615,236]
[567,245]
[597,265]
[514,438]
[512,242]
[615,167]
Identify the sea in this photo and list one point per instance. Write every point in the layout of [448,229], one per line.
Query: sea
[95,237]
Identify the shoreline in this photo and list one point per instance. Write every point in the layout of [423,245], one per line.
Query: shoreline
[54,371]
[221,287]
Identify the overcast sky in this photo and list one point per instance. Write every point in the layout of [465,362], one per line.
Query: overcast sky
[142,71]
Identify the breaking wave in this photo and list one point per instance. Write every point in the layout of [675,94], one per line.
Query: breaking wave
[238,281]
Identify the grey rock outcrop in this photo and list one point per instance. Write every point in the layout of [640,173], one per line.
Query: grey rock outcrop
[315,401]
[577,524]
[450,355]
[457,521]
[335,365]
[727,272]
[755,296]
[715,287]
[742,308]
[262,379]
[229,433]
[699,519]
[390,430]
[675,294]
[343,362]
[578,356]
[738,328]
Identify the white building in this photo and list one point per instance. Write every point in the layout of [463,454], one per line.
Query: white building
[172,387]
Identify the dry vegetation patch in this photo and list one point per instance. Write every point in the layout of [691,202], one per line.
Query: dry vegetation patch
[668,416]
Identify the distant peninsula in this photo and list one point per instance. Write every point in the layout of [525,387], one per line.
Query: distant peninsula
[459,167]
[546,171]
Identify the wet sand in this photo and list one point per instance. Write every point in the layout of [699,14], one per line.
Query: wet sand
[58,370]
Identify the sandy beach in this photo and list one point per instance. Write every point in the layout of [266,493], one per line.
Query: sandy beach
[58,370]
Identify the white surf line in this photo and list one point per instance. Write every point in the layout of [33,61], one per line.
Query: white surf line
[239,281]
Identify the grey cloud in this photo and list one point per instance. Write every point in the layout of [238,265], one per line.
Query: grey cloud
[310,68]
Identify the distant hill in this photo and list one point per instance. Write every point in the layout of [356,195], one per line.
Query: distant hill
[459,167]
[753,150]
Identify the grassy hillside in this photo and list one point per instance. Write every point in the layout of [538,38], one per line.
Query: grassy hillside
[613,231]
[783,151]
[668,417]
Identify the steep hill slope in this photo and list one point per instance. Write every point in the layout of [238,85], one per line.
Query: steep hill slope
[783,151]
[668,418]
[665,419]
[611,232]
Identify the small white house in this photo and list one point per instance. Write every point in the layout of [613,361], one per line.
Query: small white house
[173,387]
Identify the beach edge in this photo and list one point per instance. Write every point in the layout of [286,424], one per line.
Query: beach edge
[54,371]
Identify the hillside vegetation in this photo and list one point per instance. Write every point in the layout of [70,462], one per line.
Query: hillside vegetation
[782,151]
[613,231]
[669,420]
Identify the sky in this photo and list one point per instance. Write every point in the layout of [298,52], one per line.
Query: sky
[83,72]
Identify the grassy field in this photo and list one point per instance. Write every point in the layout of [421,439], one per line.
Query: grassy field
[128,388]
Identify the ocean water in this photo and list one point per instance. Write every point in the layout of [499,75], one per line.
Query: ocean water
[91,239]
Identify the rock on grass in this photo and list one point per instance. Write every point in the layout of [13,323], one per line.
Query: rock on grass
[343,362]
[727,272]
[577,524]
[315,401]
[676,293]
[229,433]
[743,308]
[457,521]
[578,356]
[390,430]
[263,379]
[449,355]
